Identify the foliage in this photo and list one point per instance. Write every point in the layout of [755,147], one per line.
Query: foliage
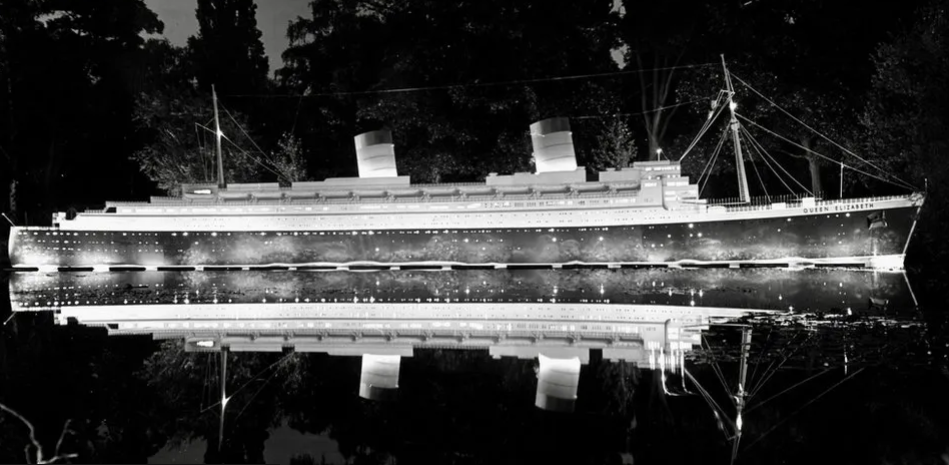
[289,160]
[461,129]
[187,385]
[906,125]
[175,123]
[180,146]
[657,38]
[776,51]
[69,73]
[228,51]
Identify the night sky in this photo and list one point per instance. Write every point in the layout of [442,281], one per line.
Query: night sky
[272,20]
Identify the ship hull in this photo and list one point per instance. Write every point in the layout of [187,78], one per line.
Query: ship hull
[864,234]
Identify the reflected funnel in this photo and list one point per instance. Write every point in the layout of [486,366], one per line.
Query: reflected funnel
[557,383]
[379,379]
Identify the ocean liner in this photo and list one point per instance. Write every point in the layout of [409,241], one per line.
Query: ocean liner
[646,214]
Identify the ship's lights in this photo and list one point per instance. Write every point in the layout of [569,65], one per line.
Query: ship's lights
[733,105]
[205,343]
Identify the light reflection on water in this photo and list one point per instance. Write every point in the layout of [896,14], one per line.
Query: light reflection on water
[826,291]
[803,320]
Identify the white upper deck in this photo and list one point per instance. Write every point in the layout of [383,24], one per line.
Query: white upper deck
[556,175]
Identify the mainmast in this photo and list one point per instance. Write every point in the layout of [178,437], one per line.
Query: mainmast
[739,159]
[217,142]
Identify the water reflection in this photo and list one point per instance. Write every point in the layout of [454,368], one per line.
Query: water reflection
[829,290]
[327,352]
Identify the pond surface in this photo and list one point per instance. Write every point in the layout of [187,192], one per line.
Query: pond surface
[499,366]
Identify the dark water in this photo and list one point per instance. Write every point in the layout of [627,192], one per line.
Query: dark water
[843,366]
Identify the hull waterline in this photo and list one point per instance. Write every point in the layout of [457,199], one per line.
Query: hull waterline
[867,233]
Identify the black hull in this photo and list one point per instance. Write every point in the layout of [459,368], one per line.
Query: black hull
[840,238]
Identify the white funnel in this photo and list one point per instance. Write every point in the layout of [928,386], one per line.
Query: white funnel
[375,154]
[379,379]
[557,383]
[553,145]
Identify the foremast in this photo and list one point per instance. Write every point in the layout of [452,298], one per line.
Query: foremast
[736,141]
[217,142]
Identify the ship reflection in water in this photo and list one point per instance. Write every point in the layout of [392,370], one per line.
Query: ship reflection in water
[652,318]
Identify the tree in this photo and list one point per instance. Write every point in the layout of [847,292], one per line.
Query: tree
[906,122]
[188,388]
[70,71]
[464,126]
[227,51]
[784,52]
[658,38]
[180,148]
[174,121]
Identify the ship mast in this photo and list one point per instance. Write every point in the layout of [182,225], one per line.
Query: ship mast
[217,142]
[733,123]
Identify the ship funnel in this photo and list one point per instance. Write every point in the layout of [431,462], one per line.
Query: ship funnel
[557,383]
[380,377]
[375,154]
[553,145]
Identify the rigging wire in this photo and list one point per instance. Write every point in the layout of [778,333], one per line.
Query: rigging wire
[717,369]
[760,179]
[476,84]
[786,418]
[232,394]
[718,108]
[759,404]
[259,150]
[769,372]
[904,184]
[774,160]
[712,160]
[818,133]
[244,152]
[708,398]
[654,110]
[756,146]
[708,164]
[251,400]
[296,115]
